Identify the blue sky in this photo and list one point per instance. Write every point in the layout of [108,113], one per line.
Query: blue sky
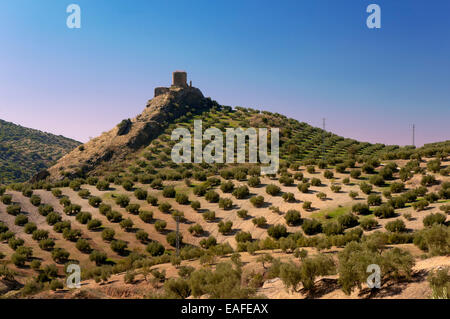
[306,59]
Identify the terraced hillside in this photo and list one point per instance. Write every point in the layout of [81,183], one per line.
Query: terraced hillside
[334,212]
[25,151]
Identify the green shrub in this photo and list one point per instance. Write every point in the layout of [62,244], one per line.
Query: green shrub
[196,230]
[225,227]
[254,181]
[384,211]
[172,238]
[303,187]
[439,281]
[127,185]
[14,209]
[160,225]
[72,209]
[433,219]
[225,203]
[195,205]
[71,234]
[29,228]
[60,255]
[328,174]
[104,208]
[257,201]
[140,194]
[165,207]
[348,220]
[108,234]
[397,225]
[311,226]
[368,223]
[152,200]
[146,216]
[83,217]
[95,201]
[102,185]
[397,187]
[126,224]
[35,200]
[169,192]
[241,192]
[7,199]
[14,243]
[428,180]
[133,208]
[374,200]
[83,245]
[94,224]
[288,197]
[61,225]
[142,236]
[292,217]
[260,221]
[332,228]
[47,244]
[53,218]
[209,216]
[376,180]
[445,208]
[307,205]
[98,257]
[242,213]
[365,188]
[182,199]
[355,173]
[227,187]
[242,237]
[114,216]
[155,249]
[119,246]
[353,194]
[361,209]
[84,193]
[122,200]
[40,234]
[212,196]
[420,205]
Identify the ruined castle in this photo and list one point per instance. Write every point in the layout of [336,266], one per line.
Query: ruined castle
[179,81]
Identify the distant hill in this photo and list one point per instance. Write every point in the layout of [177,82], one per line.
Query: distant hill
[25,151]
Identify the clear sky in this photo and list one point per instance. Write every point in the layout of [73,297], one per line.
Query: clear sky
[306,59]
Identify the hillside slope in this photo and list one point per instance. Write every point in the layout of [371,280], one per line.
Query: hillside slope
[25,151]
[120,149]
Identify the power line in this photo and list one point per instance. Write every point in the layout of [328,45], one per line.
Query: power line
[413,135]
[178,236]
[323,139]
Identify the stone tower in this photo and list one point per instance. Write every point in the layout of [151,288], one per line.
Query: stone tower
[179,78]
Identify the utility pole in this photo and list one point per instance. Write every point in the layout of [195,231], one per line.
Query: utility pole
[323,139]
[413,135]
[178,236]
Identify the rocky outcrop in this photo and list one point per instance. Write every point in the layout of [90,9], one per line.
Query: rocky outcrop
[140,131]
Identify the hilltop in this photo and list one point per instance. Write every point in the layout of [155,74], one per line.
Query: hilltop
[25,151]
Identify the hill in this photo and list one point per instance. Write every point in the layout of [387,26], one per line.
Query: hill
[147,137]
[335,206]
[25,151]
